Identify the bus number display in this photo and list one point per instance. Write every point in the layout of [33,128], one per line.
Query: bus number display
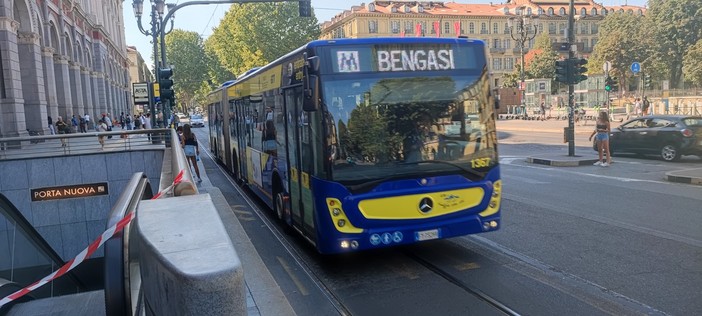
[480,162]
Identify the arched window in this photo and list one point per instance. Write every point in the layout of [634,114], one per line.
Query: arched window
[371,7]
[594,11]
[483,28]
[540,11]
[550,11]
[583,11]
[604,11]
[561,11]
[528,11]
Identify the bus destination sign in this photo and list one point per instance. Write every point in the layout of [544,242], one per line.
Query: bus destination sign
[404,58]
[69,191]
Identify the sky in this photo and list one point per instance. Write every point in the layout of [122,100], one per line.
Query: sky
[202,18]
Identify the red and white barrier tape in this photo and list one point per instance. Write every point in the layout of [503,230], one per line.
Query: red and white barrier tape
[87,252]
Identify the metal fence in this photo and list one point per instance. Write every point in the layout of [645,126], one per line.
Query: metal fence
[83,143]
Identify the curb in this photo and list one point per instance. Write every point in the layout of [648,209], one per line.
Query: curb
[672,177]
[561,163]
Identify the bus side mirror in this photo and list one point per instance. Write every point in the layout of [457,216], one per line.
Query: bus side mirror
[310,101]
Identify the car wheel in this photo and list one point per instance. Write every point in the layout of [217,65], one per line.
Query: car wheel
[670,153]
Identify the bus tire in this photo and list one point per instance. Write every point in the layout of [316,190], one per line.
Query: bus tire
[235,167]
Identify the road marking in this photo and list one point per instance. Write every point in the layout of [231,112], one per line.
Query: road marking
[621,179]
[298,284]
[467,266]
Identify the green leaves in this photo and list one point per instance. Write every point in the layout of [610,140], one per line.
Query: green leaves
[185,51]
[255,34]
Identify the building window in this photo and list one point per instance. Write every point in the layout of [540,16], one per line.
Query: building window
[604,11]
[561,11]
[471,28]
[583,11]
[447,28]
[561,28]
[528,11]
[552,28]
[409,27]
[584,27]
[373,26]
[541,27]
[424,27]
[393,10]
[509,64]
[395,25]
[494,28]
[593,42]
[550,11]
[594,28]
[407,9]
[497,64]
[371,7]
[506,28]
[508,44]
[483,28]
[540,11]
[594,11]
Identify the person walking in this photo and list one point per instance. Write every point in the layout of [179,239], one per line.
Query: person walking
[646,106]
[62,128]
[51,126]
[102,127]
[192,150]
[74,123]
[87,122]
[602,129]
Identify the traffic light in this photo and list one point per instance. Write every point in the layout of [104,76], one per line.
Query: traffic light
[562,67]
[608,84]
[615,84]
[305,8]
[165,82]
[578,70]
[647,80]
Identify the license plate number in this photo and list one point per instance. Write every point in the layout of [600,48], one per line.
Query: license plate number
[427,235]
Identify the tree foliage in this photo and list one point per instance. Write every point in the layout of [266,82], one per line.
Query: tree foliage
[619,43]
[692,62]
[254,34]
[674,26]
[184,50]
[543,65]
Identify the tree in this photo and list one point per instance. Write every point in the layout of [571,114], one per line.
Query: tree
[543,65]
[620,43]
[511,80]
[184,50]
[674,26]
[692,64]
[255,34]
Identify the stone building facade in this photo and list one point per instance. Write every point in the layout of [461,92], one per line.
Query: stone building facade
[60,58]
[488,22]
[138,72]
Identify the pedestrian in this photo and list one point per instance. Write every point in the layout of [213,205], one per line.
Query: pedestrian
[137,121]
[62,128]
[543,110]
[102,127]
[602,129]
[87,122]
[51,126]
[74,123]
[192,150]
[109,122]
[82,124]
[646,106]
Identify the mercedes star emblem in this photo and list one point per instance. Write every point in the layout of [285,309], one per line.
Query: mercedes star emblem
[426,205]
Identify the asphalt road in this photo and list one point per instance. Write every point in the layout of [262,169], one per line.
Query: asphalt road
[576,241]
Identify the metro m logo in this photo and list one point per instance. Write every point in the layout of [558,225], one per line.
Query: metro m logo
[348,61]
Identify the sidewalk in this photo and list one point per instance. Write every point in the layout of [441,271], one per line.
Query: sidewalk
[689,176]
[263,294]
[548,126]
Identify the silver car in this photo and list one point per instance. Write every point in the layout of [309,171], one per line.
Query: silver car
[196,120]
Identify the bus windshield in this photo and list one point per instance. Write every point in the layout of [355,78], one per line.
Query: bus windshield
[410,126]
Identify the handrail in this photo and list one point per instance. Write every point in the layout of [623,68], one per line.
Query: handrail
[81,143]
[180,162]
[117,255]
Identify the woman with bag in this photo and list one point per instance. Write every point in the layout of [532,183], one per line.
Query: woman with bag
[102,127]
[192,150]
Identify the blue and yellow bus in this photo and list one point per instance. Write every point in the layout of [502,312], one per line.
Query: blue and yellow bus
[366,143]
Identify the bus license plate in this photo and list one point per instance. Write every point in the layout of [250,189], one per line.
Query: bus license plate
[427,235]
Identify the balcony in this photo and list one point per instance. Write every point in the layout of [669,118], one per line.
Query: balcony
[497,50]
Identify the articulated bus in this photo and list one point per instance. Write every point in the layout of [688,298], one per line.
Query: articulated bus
[366,143]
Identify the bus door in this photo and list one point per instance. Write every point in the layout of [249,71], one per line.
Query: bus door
[298,150]
[244,138]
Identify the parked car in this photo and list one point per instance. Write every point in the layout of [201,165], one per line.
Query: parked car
[668,136]
[197,120]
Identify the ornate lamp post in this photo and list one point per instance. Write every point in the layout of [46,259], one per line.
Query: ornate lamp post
[157,11]
[523,28]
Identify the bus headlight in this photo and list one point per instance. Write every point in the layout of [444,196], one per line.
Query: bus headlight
[344,244]
[341,223]
[336,212]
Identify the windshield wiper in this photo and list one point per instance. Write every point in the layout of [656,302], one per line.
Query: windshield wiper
[468,170]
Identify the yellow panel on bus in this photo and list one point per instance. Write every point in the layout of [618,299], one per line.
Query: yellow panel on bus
[267,80]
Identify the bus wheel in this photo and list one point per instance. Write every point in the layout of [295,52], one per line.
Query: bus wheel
[280,206]
[235,167]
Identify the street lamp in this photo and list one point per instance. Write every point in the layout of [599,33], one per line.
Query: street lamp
[157,8]
[523,28]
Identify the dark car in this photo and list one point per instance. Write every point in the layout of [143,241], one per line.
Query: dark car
[668,136]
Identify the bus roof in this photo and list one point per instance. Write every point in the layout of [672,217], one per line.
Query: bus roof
[354,41]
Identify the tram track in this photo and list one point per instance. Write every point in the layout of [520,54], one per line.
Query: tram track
[263,214]
[461,284]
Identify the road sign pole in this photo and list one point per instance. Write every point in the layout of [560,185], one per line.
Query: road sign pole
[152,104]
[571,87]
